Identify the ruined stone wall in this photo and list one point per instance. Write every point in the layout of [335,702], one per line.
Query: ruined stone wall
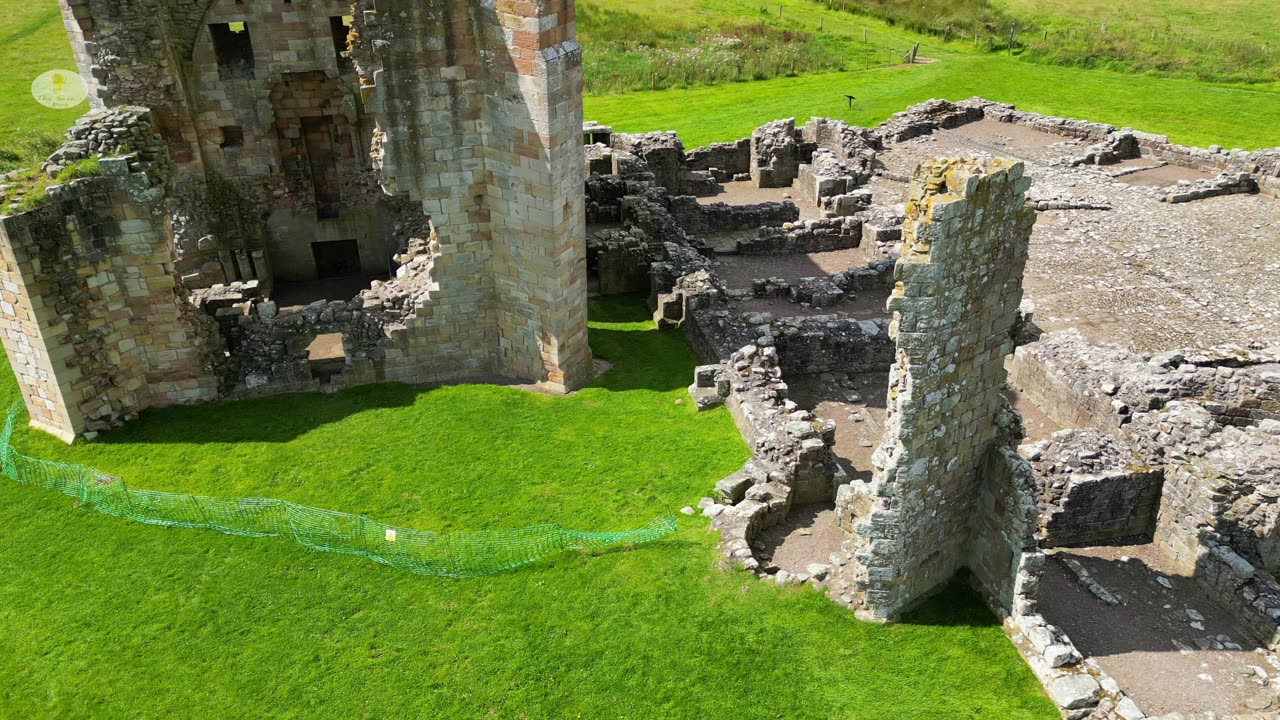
[696,217]
[775,154]
[481,108]
[1079,384]
[821,344]
[1003,553]
[93,321]
[807,236]
[1092,489]
[955,305]
[725,161]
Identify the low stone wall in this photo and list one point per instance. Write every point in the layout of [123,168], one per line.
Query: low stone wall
[696,217]
[1076,684]
[827,343]
[1080,385]
[1091,491]
[724,161]
[1067,127]
[929,117]
[827,176]
[882,230]
[792,461]
[875,275]
[1111,144]
[1224,184]
[805,237]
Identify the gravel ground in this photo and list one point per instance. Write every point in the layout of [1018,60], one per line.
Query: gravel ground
[1145,275]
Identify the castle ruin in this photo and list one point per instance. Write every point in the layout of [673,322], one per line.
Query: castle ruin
[970,342]
[304,195]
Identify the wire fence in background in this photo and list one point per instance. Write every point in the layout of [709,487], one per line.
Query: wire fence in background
[457,555]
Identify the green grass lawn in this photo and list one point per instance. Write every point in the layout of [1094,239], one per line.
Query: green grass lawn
[101,617]
[32,41]
[1189,111]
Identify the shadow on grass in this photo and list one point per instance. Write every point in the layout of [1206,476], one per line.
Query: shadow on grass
[956,604]
[643,359]
[620,309]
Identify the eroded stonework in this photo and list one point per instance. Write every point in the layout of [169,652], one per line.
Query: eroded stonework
[305,196]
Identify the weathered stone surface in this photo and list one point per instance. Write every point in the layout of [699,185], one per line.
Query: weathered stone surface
[1075,691]
[942,483]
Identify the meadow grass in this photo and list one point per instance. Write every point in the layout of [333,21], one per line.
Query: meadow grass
[101,617]
[32,41]
[1189,111]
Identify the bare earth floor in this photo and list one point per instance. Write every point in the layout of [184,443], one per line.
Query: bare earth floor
[738,271]
[809,535]
[856,402]
[1171,648]
[746,193]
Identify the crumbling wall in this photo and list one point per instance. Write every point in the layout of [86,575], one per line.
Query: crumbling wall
[723,161]
[662,152]
[775,154]
[826,176]
[1003,553]
[1092,489]
[696,217]
[501,179]
[1080,384]
[812,345]
[93,320]
[621,259]
[807,236]
[955,306]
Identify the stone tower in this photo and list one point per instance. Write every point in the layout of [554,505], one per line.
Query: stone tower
[428,150]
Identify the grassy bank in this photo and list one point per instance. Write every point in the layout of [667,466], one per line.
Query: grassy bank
[1230,41]
[1190,112]
[104,618]
[635,45]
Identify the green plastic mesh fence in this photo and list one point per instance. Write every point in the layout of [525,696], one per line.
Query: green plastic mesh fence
[453,555]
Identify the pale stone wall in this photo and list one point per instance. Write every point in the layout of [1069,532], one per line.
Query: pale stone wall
[955,304]
[484,127]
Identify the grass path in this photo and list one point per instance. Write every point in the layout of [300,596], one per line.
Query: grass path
[1189,112]
[105,618]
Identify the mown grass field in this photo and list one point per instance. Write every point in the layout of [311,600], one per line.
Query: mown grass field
[100,617]
[1189,111]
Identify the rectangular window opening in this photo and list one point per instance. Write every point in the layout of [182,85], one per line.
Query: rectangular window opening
[232,137]
[233,49]
[340,27]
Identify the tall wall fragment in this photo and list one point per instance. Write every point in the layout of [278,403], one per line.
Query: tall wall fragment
[947,491]
[484,127]
[91,317]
